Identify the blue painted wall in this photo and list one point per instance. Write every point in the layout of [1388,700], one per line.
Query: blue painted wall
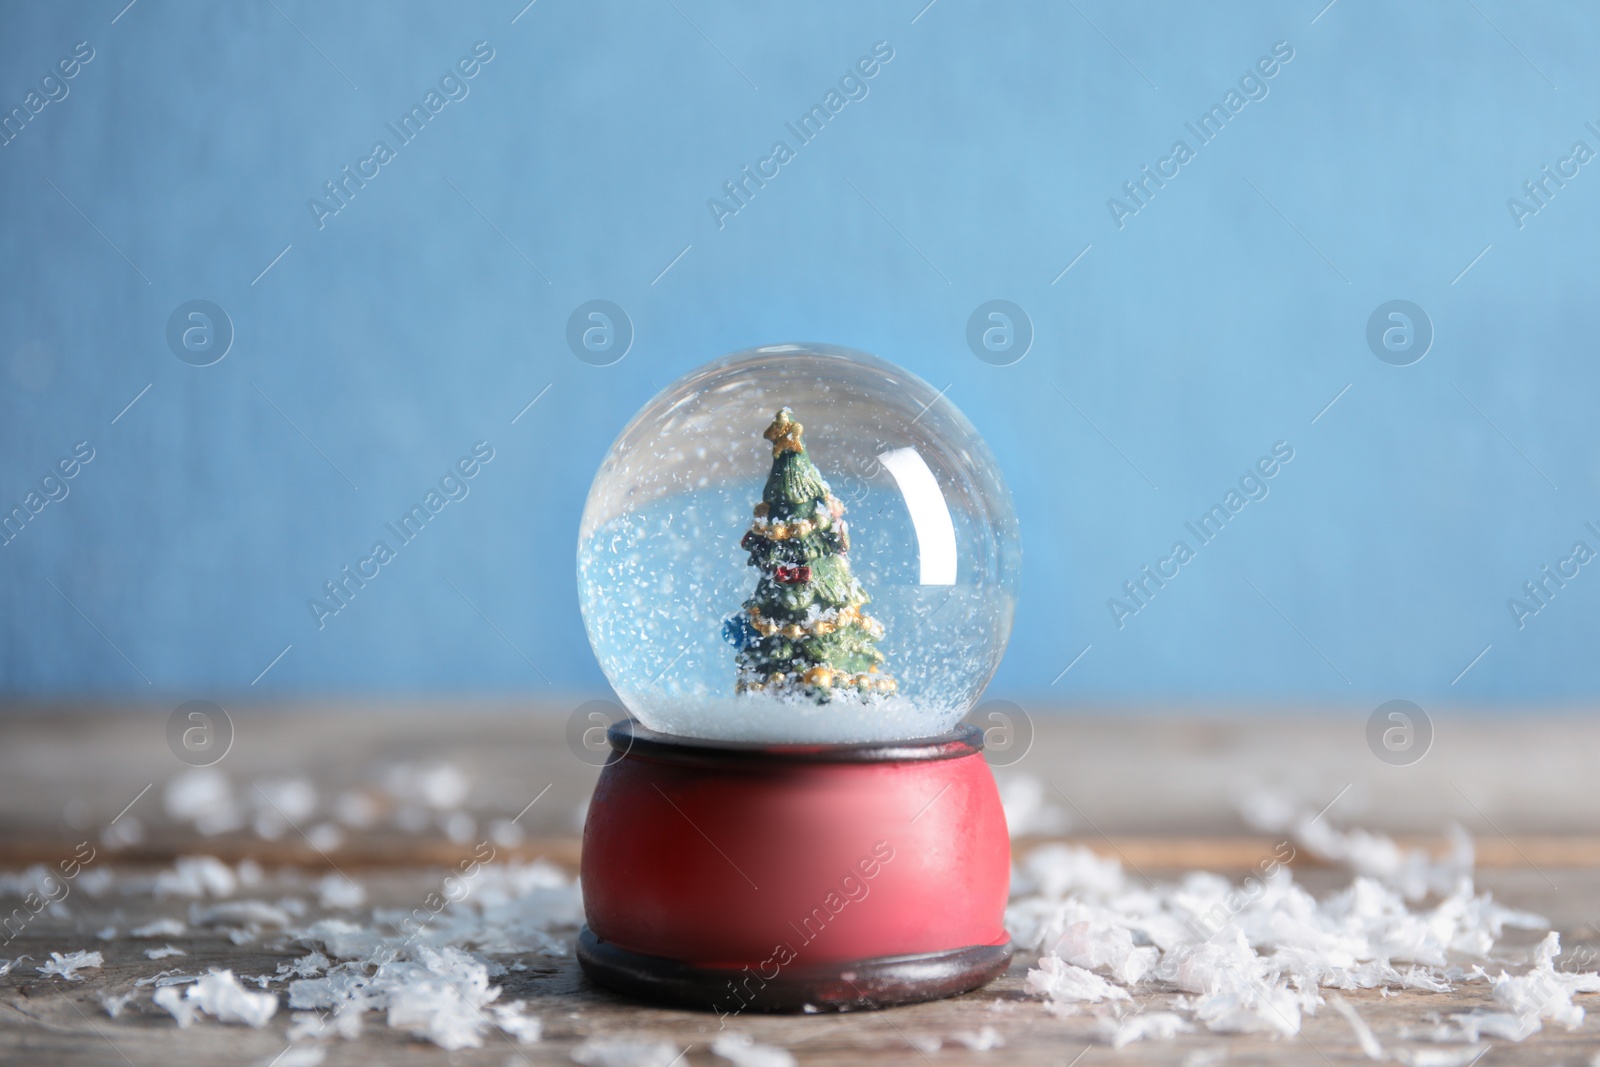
[1199,324]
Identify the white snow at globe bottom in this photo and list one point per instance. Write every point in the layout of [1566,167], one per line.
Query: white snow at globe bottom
[660,584]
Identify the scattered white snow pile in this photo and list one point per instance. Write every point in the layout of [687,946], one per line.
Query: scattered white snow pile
[1411,871]
[427,969]
[1544,992]
[502,909]
[414,798]
[438,997]
[626,1052]
[69,965]
[441,995]
[742,1050]
[1256,957]
[219,995]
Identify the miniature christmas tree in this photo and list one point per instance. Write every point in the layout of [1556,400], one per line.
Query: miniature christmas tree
[803,631]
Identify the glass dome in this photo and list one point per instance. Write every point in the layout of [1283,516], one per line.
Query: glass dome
[799,543]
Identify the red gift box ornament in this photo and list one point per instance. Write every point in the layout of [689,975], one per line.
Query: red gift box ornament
[792,574]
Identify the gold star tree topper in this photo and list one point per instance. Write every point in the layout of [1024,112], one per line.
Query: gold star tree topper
[784,433]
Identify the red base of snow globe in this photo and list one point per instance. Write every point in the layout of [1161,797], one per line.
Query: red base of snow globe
[732,876]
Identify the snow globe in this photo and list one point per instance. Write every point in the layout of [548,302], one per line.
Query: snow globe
[797,568]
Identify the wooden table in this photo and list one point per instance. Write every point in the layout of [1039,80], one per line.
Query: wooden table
[1156,790]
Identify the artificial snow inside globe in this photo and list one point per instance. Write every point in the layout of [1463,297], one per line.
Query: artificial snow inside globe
[798,544]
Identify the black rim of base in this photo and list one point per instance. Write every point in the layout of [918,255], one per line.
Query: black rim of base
[631,737]
[873,983]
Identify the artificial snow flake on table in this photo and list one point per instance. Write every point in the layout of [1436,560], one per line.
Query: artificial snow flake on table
[506,833]
[459,827]
[1054,870]
[114,1003]
[35,881]
[356,809]
[344,1021]
[325,837]
[250,872]
[307,966]
[165,978]
[1414,872]
[979,1040]
[1251,1009]
[163,952]
[742,1050]
[1063,983]
[1440,1057]
[197,876]
[297,1056]
[291,799]
[509,908]
[1028,807]
[126,831]
[69,965]
[1364,1035]
[334,890]
[439,997]
[172,1000]
[1255,954]
[1093,946]
[204,796]
[1475,1025]
[341,939]
[219,995]
[248,913]
[1158,1025]
[440,786]
[626,1052]
[526,1029]
[159,928]
[1544,992]
[1224,963]
[95,881]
